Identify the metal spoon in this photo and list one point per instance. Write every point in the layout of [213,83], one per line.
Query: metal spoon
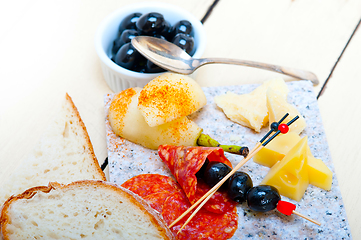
[171,57]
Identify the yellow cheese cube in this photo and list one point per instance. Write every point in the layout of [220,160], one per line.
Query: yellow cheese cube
[290,175]
[276,149]
[278,106]
[319,174]
[250,109]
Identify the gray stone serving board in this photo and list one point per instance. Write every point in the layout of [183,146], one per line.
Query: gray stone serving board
[127,160]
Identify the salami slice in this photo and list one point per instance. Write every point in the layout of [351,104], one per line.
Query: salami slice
[204,225]
[185,162]
[156,200]
[146,184]
[165,195]
[218,203]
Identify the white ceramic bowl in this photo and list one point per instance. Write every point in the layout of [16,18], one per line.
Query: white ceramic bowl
[119,78]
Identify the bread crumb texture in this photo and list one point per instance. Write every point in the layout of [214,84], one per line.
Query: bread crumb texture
[63,154]
[81,210]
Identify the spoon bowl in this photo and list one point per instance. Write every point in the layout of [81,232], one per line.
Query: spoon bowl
[171,57]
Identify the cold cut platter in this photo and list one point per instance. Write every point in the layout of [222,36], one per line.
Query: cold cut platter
[128,160]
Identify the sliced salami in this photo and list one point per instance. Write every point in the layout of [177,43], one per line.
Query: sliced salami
[204,225]
[165,195]
[218,203]
[146,184]
[156,200]
[185,162]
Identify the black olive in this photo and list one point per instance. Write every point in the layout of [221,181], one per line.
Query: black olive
[214,172]
[151,67]
[184,42]
[159,36]
[184,27]
[200,173]
[140,65]
[238,185]
[166,32]
[263,198]
[126,36]
[151,23]
[129,22]
[127,56]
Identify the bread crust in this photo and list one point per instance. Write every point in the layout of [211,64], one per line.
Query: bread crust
[154,216]
[87,138]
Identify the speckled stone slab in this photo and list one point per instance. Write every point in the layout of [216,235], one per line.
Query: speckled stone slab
[127,160]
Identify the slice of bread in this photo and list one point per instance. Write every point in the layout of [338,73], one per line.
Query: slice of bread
[64,154]
[86,209]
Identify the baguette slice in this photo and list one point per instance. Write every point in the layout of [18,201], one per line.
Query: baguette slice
[64,154]
[87,209]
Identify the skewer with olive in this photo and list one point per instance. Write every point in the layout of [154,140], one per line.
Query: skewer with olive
[240,187]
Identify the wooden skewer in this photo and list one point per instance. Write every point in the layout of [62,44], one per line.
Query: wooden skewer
[307,218]
[263,142]
[258,144]
[218,185]
[198,208]
[209,194]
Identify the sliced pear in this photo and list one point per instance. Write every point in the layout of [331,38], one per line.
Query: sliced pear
[128,122]
[250,109]
[278,106]
[290,175]
[168,97]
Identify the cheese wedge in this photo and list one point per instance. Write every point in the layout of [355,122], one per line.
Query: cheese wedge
[250,110]
[318,173]
[276,149]
[278,106]
[290,175]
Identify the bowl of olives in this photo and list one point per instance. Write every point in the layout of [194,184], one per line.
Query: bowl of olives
[122,65]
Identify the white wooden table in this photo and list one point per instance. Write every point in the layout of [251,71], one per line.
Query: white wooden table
[47,49]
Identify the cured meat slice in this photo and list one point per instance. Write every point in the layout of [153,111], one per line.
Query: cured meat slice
[185,162]
[146,184]
[156,200]
[204,225]
[154,188]
[218,203]
[168,198]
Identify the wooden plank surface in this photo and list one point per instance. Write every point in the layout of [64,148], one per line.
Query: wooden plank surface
[341,113]
[305,34]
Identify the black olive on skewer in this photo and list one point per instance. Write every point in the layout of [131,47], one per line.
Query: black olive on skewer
[238,186]
[214,173]
[263,198]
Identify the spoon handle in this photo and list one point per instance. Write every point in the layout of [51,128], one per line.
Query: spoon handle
[296,73]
